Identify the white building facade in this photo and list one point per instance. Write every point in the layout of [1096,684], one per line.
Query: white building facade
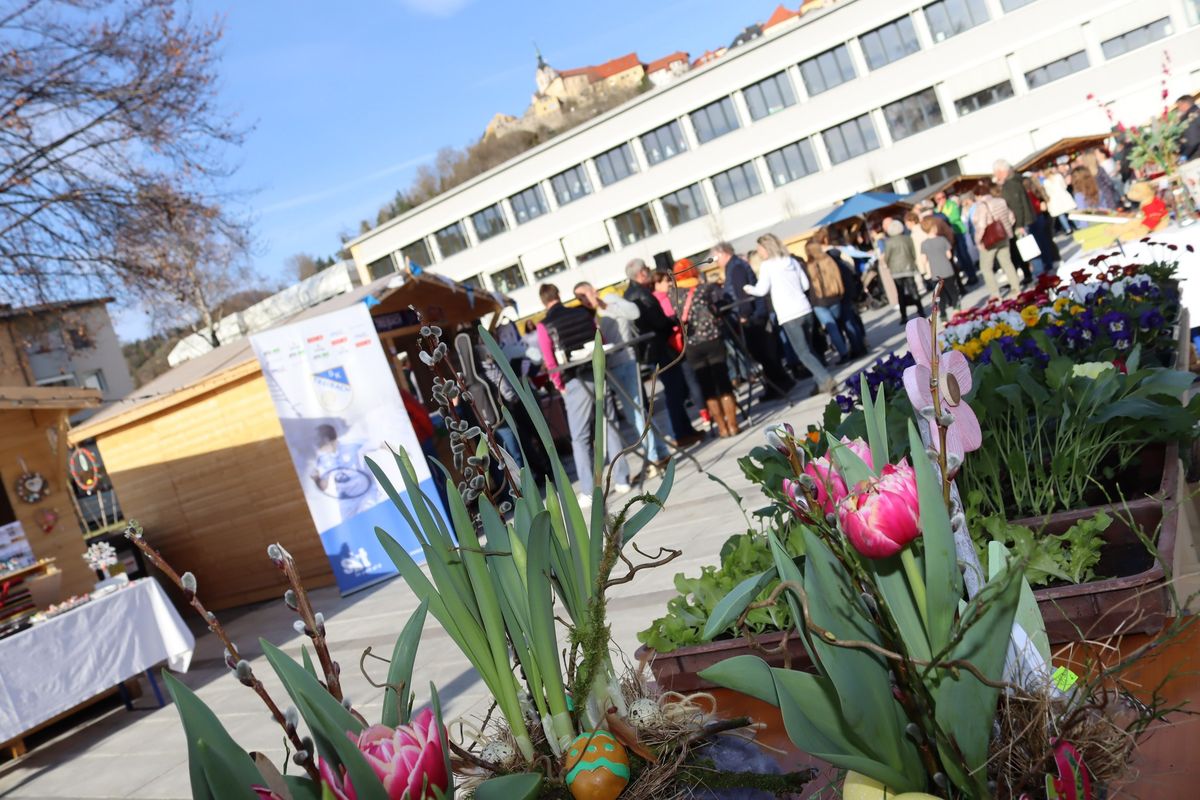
[862,95]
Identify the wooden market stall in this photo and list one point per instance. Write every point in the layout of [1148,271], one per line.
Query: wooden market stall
[1068,147]
[33,470]
[197,456]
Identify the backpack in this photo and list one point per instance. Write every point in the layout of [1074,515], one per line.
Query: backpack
[703,324]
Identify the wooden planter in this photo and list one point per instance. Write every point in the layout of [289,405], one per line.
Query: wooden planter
[678,670]
[1135,602]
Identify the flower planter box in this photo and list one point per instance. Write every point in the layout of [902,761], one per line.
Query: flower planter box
[1137,601]
[677,671]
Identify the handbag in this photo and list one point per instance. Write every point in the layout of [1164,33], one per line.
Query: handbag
[994,233]
[1027,246]
[676,340]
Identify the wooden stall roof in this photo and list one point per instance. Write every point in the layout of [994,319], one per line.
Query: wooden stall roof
[949,186]
[61,397]
[235,360]
[1063,147]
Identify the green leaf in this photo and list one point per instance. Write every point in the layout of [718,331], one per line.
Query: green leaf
[648,511]
[789,572]
[731,606]
[396,706]
[861,677]
[812,716]
[854,470]
[307,661]
[521,786]
[222,777]
[943,581]
[964,706]
[893,583]
[204,732]
[875,413]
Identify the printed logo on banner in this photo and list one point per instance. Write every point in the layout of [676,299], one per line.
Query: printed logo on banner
[333,389]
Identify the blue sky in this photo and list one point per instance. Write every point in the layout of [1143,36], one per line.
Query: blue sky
[346,99]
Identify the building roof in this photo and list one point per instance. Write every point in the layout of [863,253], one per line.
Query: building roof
[7,311]
[235,360]
[666,61]
[62,397]
[780,15]
[606,70]
[708,56]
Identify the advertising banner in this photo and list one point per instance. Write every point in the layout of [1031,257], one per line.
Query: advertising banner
[339,405]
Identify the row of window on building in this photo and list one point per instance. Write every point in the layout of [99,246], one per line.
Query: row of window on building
[684,205]
[904,117]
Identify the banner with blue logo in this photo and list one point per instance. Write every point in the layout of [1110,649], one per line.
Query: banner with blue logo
[339,405]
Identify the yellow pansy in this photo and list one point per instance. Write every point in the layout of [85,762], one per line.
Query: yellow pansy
[1060,304]
[1031,315]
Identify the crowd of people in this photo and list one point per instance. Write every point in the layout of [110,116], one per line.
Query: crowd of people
[778,318]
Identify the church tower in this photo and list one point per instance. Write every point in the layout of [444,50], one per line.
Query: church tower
[545,73]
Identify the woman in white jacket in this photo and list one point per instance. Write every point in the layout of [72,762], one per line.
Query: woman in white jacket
[783,278]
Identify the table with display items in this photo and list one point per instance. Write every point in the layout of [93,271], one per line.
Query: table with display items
[65,661]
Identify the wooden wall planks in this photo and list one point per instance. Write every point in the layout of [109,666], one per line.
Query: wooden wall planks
[212,483]
[23,435]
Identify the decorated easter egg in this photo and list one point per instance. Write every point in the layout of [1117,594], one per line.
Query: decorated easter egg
[597,766]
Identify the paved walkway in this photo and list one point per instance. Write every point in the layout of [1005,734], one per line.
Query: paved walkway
[116,754]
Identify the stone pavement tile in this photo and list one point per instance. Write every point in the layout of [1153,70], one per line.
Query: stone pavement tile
[95,776]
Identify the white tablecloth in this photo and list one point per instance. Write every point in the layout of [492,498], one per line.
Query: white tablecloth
[1155,250]
[60,663]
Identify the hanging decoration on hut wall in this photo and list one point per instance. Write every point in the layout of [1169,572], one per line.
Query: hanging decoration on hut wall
[84,469]
[31,487]
[47,518]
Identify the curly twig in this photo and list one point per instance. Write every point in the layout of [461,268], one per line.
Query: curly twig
[663,556]
[233,658]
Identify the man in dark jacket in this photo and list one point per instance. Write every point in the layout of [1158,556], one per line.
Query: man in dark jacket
[1189,145]
[1013,190]
[658,351]
[754,320]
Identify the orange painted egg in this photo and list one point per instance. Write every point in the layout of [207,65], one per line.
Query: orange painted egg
[597,766]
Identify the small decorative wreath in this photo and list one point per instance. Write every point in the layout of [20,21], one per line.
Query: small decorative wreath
[84,469]
[32,487]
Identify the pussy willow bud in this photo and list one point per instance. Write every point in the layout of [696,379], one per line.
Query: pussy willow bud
[320,619]
[945,419]
[425,331]
[914,732]
[958,522]
[291,717]
[274,552]
[426,359]
[299,757]
[435,330]
[243,671]
[953,462]
[188,581]
[926,412]
[289,599]
[299,627]
[808,482]
[346,702]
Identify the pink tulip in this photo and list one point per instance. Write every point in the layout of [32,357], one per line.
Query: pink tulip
[830,485]
[880,516]
[408,760]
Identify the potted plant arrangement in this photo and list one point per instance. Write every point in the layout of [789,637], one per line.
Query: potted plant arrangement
[519,584]
[1075,376]
[931,674]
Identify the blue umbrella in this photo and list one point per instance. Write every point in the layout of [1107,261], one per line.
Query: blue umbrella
[860,205]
